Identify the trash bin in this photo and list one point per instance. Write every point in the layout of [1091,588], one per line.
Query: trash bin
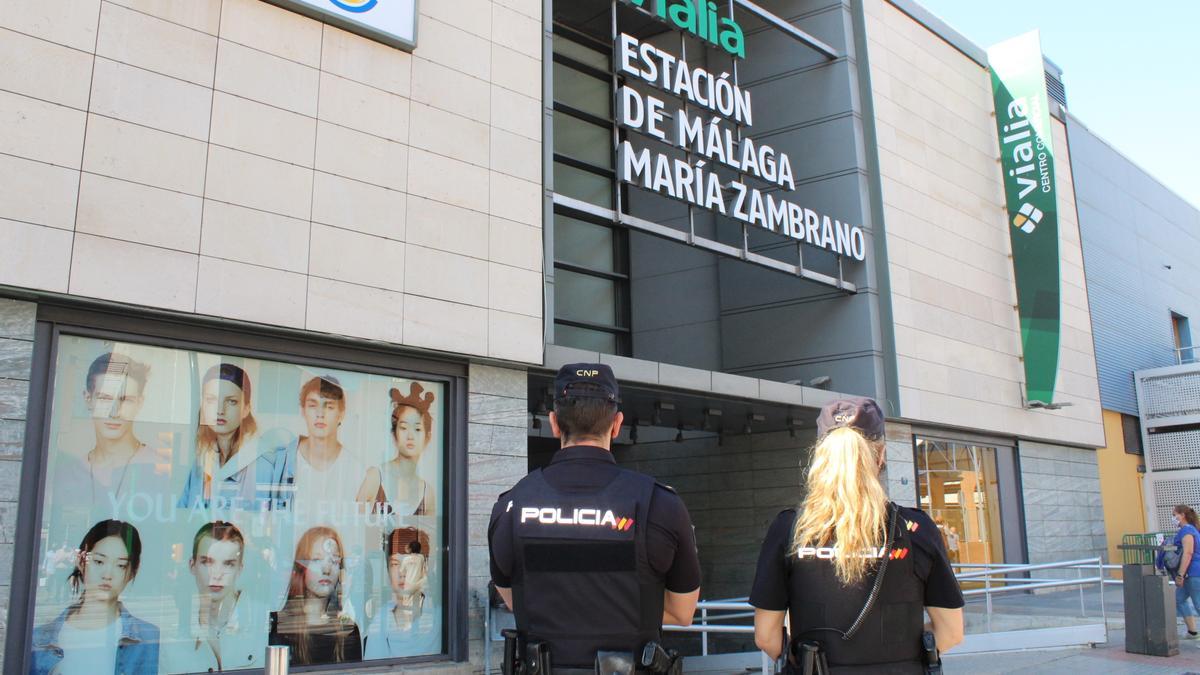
[1149,599]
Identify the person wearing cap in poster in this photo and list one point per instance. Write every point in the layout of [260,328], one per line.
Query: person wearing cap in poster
[592,558]
[855,571]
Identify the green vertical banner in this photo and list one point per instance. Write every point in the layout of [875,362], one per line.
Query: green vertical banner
[1027,160]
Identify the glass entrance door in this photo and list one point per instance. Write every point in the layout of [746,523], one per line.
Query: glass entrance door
[958,487]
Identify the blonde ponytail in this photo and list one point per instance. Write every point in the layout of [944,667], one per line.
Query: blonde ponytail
[845,505]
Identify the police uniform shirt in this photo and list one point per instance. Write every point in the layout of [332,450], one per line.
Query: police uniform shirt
[671,542]
[919,569]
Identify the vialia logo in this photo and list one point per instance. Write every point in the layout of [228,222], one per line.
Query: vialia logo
[699,17]
[1027,218]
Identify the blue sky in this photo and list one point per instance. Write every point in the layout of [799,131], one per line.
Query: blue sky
[1131,70]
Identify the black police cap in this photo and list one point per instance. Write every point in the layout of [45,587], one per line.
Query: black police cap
[603,383]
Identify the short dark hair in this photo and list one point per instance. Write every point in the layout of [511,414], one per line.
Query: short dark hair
[109,363]
[584,416]
[325,386]
[104,529]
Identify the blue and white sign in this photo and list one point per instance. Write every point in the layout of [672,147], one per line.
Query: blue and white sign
[392,22]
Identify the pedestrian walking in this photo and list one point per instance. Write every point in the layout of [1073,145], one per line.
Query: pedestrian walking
[1183,565]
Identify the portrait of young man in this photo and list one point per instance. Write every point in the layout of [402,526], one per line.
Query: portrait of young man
[316,476]
[408,624]
[221,633]
[99,482]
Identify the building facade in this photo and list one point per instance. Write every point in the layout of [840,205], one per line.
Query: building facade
[1138,238]
[378,254]
[895,134]
[957,334]
[231,183]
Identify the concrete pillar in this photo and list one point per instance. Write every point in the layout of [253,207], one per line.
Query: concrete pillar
[16,357]
[497,457]
[899,476]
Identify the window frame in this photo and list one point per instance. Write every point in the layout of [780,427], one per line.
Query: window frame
[994,510]
[164,329]
[608,173]
[622,329]
[1131,428]
[1181,337]
[620,274]
[1009,479]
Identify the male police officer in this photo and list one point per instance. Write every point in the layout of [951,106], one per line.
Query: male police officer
[589,556]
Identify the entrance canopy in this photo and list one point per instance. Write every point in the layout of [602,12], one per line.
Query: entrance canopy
[662,401]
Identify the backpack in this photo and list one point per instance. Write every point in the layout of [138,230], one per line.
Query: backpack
[1171,559]
[1173,554]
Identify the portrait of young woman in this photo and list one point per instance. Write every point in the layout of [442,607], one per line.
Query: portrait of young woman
[312,621]
[96,634]
[397,486]
[230,470]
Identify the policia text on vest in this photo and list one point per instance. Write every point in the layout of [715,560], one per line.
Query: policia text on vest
[592,558]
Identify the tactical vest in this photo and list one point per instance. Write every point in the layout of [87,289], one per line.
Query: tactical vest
[889,640]
[581,576]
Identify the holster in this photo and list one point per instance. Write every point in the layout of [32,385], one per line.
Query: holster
[523,657]
[661,661]
[537,659]
[805,657]
[933,660]
[511,665]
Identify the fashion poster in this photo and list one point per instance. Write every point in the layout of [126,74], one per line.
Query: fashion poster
[200,506]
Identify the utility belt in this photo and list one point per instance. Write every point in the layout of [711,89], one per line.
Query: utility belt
[533,657]
[806,657]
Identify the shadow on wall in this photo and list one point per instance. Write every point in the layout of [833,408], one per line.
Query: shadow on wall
[733,490]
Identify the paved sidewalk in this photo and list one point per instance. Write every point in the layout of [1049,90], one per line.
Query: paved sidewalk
[1107,658]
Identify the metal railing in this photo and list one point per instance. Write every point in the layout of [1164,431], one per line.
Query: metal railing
[732,608]
[996,581]
[965,567]
[995,578]
[1185,355]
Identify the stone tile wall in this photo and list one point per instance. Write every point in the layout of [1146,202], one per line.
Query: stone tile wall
[16,354]
[1064,513]
[235,159]
[497,458]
